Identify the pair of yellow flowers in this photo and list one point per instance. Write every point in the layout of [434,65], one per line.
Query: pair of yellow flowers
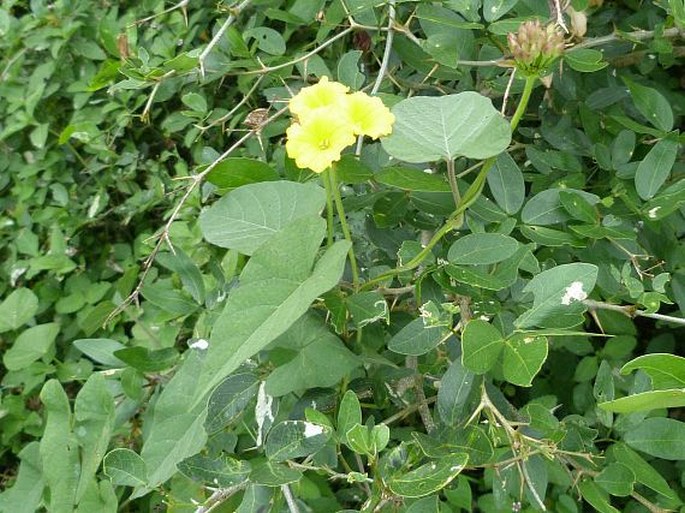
[327,120]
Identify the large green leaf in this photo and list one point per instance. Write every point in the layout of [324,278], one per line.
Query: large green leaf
[523,357]
[238,171]
[482,248]
[481,345]
[17,309]
[321,359]
[94,421]
[428,478]
[125,468]
[659,437]
[229,400]
[417,338]
[32,344]
[645,401]
[58,449]
[505,181]
[665,370]
[558,296]
[457,389]
[295,438]
[652,105]
[176,431]
[412,179]
[276,288]
[644,472]
[244,219]
[654,169]
[445,127]
[27,490]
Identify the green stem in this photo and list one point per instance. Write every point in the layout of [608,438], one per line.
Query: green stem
[325,177]
[523,103]
[453,222]
[343,224]
[452,177]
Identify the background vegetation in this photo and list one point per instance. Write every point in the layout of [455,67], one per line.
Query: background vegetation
[511,343]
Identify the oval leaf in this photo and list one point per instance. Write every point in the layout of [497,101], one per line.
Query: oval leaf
[428,478]
[456,125]
[482,248]
[654,169]
[659,437]
[247,217]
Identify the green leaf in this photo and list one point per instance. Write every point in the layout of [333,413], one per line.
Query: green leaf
[250,215]
[481,345]
[659,437]
[457,389]
[417,338]
[558,295]
[187,270]
[176,428]
[94,420]
[595,496]
[222,471]
[273,474]
[445,127]
[349,414]
[665,370]
[268,40]
[493,10]
[235,172]
[348,70]
[58,449]
[523,358]
[665,203]
[644,472]
[17,309]
[195,101]
[367,308]
[617,479]
[349,169]
[276,288]
[428,478]
[412,179]
[585,60]
[125,468]
[27,490]
[482,249]
[577,206]
[475,277]
[506,184]
[146,360]
[366,440]
[654,169]
[101,350]
[321,359]
[98,496]
[294,439]
[546,208]
[646,401]
[31,345]
[229,400]
[652,105]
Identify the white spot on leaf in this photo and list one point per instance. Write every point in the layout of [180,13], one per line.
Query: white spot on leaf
[311,430]
[263,411]
[200,344]
[574,292]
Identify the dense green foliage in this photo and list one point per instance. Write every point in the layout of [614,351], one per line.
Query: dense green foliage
[186,326]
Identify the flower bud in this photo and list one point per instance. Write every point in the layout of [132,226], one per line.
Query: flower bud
[534,47]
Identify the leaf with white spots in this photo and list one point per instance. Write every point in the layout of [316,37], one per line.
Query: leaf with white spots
[523,357]
[428,478]
[558,295]
[295,439]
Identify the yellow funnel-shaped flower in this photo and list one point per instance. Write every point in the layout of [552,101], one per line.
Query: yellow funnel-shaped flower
[319,139]
[368,115]
[323,95]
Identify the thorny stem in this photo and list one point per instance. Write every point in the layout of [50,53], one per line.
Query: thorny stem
[335,189]
[632,312]
[218,497]
[163,237]
[289,499]
[424,411]
[235,11]
[385,60]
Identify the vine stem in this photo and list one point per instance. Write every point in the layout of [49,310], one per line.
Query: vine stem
[523,103]
[452,177]
[333,185]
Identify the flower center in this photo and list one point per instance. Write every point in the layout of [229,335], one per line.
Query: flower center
[324,144]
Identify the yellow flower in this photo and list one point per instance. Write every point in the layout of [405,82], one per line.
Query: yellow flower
[368,115]
[323,95]
[319,139]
